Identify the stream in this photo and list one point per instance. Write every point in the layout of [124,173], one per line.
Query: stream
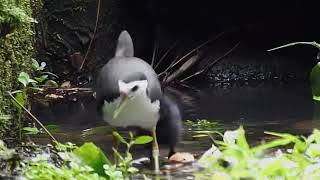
[264,106]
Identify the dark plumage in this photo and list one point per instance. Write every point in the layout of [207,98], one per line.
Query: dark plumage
[126,82]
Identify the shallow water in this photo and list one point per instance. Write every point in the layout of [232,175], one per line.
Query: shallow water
[268,106]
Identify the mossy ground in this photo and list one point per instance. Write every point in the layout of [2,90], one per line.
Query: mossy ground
[16,50]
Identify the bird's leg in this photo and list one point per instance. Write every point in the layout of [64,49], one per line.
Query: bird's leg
[155,151]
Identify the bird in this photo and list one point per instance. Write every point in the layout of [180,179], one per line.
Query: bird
[129,94]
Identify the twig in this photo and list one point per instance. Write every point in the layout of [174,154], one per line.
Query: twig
[212,63]
[182,68]
[192,51]
[74,89]
[165,54]
[168,68]
[154,52]
[94,35]
[33,117]
[198,47]
[296,43]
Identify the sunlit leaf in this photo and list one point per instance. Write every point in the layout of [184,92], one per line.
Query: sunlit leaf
[35,64]
[24,78]
[118,137]
[143,140]
[200,135]
[21,97]
[31,130]
[92,156]
[241,139]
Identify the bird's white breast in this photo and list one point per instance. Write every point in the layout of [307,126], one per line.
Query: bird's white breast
[139,112]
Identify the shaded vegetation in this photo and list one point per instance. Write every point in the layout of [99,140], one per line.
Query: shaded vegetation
[68,161]
[285,157]
[16,49]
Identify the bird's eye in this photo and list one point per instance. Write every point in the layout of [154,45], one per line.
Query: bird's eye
[135,88]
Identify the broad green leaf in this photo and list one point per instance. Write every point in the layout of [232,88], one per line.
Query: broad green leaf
[241,139]
[118,137]
[21,97]
[143,140]
[92,156]
[24,78]
[35,64]
[31,130]
[313,150]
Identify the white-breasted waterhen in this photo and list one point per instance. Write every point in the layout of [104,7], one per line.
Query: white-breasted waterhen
[129,94]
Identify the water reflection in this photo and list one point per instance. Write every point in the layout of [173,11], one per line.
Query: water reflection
[282,107]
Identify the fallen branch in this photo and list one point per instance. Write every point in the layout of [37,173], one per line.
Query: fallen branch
[211,64]
[32,116]
[75,89]
[175,62]
[176,74]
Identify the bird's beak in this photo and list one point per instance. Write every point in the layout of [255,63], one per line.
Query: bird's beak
[122,104]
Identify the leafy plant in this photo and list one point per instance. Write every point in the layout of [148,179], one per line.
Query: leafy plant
[124,165]
[233,158]
[12,15]
[202,124]
[315,73]
[31,130]
[29,85]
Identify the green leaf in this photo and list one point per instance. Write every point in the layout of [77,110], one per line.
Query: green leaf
[35,64]
[200,135]
[92,156]
[21,97]
[41,78]
[119,137]
[143,140]
[31,130]
[241,139]
[24,78]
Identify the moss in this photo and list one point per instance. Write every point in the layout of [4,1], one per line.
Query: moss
[16,51]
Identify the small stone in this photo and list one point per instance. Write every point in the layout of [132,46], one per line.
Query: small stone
[182,157]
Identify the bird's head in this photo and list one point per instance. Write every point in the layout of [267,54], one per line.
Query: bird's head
[129,91]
